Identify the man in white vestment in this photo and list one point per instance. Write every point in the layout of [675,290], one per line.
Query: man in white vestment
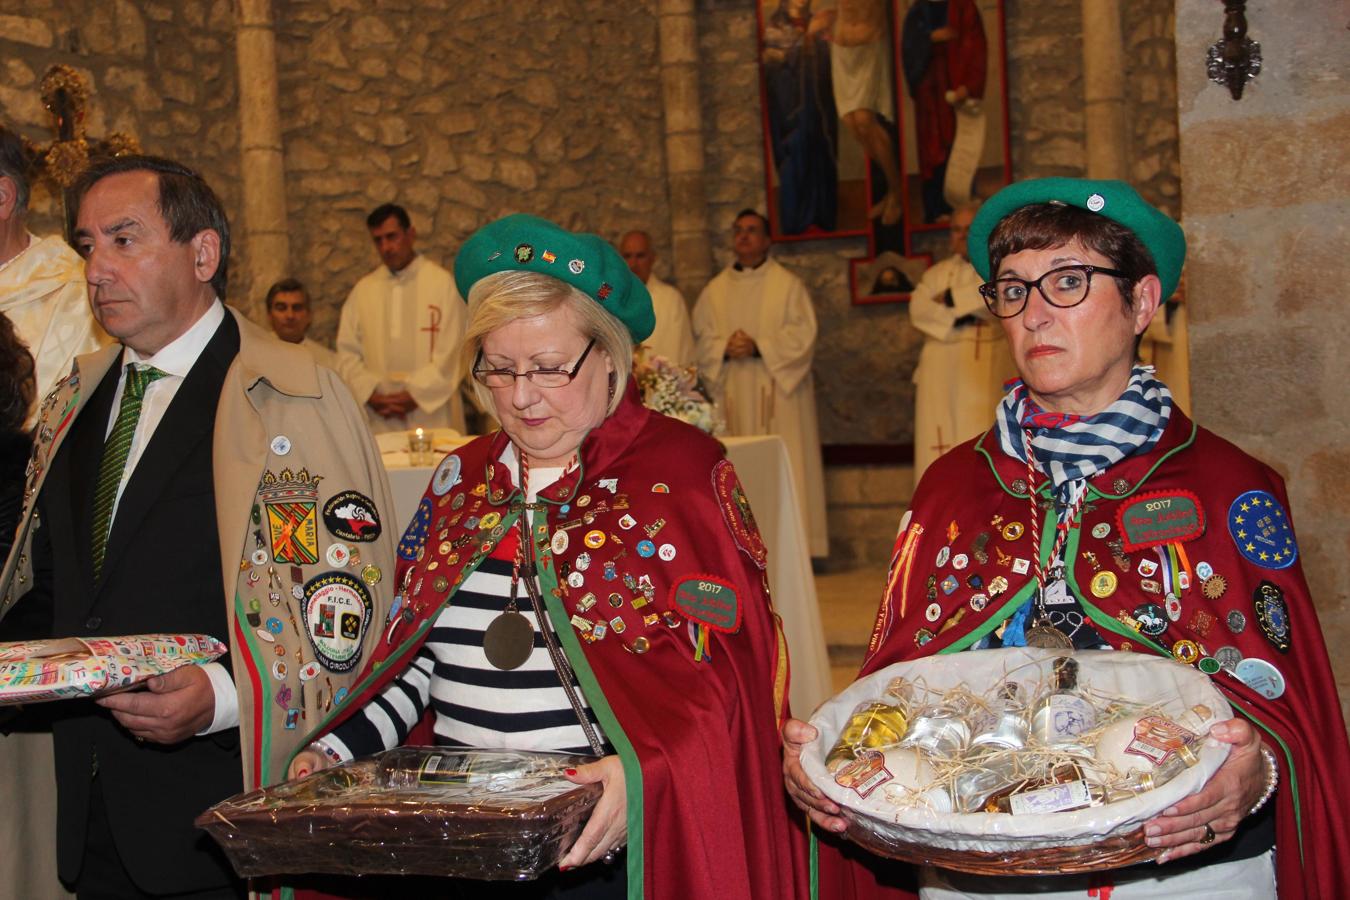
[289,312]
[42,288]
[42,291]
[755,331]
[399,335]
[964,361]
[673,338]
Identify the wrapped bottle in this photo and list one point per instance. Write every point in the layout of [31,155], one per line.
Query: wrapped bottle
[992,769]
[1150,750]
[1062,713]
[1005,725]
[984,779]
[873,726]
[1060,796]
[940,731]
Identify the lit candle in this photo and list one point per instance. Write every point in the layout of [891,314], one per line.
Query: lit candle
[419,434]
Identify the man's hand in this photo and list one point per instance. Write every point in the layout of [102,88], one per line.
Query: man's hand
[740,345]
[796,735]
[173,708]
[392,405]
[1221,804]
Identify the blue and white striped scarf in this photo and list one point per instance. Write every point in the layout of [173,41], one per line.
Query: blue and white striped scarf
[1072,449]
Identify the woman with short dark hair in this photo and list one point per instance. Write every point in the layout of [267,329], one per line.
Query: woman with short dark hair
[1096,515]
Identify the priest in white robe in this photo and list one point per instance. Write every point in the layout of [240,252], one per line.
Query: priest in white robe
[42,291]
[755,331]
[42,288]
[399,335]
[673,338]
[964,361]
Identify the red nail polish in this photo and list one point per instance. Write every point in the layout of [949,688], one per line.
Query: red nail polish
[569,772]
[563,868]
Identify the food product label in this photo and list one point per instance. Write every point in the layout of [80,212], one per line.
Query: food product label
[1156,738]
[865,774]
[1055,798]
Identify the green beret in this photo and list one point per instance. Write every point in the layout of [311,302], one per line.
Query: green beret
[1115,200]
[585,261]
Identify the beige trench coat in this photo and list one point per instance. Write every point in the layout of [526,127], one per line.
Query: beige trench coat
[271,389]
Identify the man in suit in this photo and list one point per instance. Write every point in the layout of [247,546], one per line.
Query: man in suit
[176,486]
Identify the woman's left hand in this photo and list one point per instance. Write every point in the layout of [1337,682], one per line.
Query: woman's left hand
[1220,805]
[608,826]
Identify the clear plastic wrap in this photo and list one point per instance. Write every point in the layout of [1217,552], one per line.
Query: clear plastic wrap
[66,668]
[494,815]
[908,813]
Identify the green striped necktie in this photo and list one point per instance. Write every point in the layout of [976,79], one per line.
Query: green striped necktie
[115,453]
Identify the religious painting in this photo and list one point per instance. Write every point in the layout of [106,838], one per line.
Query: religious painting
[954,106]
[951,87]
[827,82]
[879,116]
[888,277]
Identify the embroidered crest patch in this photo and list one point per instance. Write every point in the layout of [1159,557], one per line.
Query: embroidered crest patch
[290,500]
[1161,517]
[1273,615]
[336,610]
[352,516]
[736,511]
[1260,529]
[709,600]
[415,538]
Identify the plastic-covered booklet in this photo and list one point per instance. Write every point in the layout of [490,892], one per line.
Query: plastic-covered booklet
[66,668]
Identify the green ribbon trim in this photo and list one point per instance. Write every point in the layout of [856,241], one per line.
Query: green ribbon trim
[264,773]
[590,688]
[815,860]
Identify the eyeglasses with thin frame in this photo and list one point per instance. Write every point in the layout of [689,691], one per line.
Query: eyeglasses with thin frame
[1064,287]
[544,378]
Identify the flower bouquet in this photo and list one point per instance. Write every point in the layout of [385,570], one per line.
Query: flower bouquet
[675,391]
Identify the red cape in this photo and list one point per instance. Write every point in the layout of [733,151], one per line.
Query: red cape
[707,813]
[975,486]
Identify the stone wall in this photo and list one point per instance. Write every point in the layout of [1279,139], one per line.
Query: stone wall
[1045,78]
[1151,101]
[1266,201]
[464,112]
[161,72]
[866,354]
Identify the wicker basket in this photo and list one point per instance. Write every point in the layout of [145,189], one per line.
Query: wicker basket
[1110,853]
[1092,839]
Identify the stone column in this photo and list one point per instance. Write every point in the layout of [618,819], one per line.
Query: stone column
[1104,90]
[1265,214]
[266,246]
[678,39]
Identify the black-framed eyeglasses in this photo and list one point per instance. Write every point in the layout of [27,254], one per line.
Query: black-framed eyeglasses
[1065,286]
[544,378]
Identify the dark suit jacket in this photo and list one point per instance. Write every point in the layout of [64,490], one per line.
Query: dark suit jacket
[161,573]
